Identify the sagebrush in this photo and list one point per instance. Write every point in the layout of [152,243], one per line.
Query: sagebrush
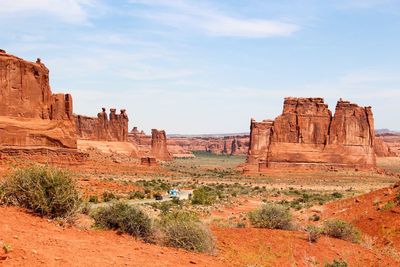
[124,218]
[273,216]
[184,230]
[45,190]
[342,230]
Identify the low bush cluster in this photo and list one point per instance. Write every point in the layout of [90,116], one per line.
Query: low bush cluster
[124,218]
[175,229]
[337,263]
[184,230]
[46,191]
[273,216]
[314,232]
[203,196]
[342,230]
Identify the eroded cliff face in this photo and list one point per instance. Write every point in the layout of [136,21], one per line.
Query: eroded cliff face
[104,127]
[306,135]
[159,148]
[30,114]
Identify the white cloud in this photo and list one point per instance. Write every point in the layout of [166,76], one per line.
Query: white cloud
[71,11]
[184,14]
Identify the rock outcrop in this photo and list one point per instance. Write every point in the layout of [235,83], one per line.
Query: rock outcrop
[154,146]
[104,127]
[31,116]
[391,145]
[307,135]
[159,148]
[382,149]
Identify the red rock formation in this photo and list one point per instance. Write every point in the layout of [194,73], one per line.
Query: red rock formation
[307,135]
[102,128]
[382,149]
[148,161]
[182,146]
[139,138]
[159,145]
[31,116]
[392,143]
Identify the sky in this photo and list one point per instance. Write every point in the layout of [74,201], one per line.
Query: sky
[195,67]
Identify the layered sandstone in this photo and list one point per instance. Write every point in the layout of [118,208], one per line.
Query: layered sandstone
[382,149]
[31,116]
[228,145]
[154,146]
[307,135]
[103,127]
[392,141]
[159,148]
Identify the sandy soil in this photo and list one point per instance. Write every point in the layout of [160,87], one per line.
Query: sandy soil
[40,242]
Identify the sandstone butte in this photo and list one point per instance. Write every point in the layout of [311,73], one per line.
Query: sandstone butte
[306,135]
[36,122]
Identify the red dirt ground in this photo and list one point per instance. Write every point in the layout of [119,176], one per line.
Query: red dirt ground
[369,214]
[263,247]
[37,241]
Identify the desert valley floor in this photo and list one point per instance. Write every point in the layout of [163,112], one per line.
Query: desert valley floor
[366,199]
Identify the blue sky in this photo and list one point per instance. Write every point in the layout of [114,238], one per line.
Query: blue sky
[208,66]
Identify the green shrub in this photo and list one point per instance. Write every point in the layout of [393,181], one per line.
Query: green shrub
[342,230]
[136,195]
[93,199]
[45,190]
[313,232]
[337,263]
[203,196]
[240,225]
[108,196]
[314,218]
[388,206]
[337,195]
[271,216]
[184,230]
[124,218]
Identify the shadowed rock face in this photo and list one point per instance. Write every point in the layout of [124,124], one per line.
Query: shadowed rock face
[30,114]
[306,135]
[104,127]
[159,145]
